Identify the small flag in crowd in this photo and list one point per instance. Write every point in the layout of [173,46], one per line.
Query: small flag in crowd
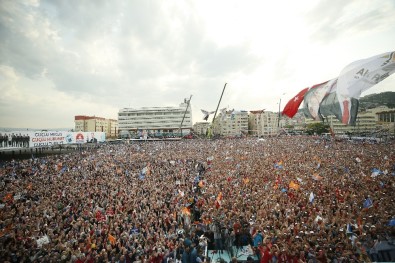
[294,185]
[278,165]
[299,180]
[349,229]
[367,203]
[311,197]
[111,239]
[218,200]
[7,197]
[316,177]
[186,211]
[201,184]
[376,172]
[64,168]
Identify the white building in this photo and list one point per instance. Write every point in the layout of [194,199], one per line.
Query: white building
[155,120]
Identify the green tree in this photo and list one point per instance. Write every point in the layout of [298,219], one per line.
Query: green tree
[317,128]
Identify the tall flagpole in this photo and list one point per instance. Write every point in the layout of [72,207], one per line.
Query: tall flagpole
[216,110]
[183,117]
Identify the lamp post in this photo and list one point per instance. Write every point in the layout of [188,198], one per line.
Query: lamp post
[279,112]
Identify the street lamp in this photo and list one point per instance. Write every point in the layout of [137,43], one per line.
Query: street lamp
[279,111]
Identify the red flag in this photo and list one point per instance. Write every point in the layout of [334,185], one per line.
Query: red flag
[217,204]
[293,105]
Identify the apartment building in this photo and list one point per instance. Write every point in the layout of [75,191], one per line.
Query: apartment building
[96,124]
[232,123]
[367,122]
[200,128]
[265,123]
[156,120]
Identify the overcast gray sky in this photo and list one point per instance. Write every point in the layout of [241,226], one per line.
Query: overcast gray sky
[64,58]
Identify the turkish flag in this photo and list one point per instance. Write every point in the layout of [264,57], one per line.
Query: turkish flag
[293,105]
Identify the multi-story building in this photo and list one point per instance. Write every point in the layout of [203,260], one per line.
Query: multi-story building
[233,123]
[386,121]
[368,122]
[156,120]
[264,123]
[200,128]
[112,127]
[96,124]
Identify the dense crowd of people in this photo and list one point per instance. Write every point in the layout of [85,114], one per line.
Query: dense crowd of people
[291,199]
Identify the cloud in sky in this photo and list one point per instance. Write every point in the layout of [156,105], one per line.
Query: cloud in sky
[59,59]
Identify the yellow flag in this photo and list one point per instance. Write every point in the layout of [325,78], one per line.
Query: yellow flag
[294,185]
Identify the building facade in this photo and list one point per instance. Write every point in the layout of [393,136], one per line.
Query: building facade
[264,123]
[368,122]
[234,123]
[96,124]
[200,128]
[156,120]
[386,121]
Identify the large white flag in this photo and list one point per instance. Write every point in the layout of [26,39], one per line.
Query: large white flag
[360,76]
[365,73]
